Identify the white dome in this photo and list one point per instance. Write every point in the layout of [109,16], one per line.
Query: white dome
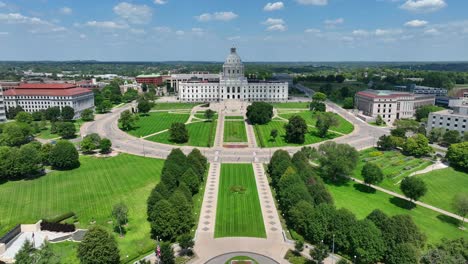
[233,58]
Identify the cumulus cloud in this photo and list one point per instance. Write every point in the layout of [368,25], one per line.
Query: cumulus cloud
[66,10]
[273,6]
[106,25]
[330,23]
[387,32]
[36,25]
[313,2]
[312,30]
[160,2]
[217,16]
[432,31]
[134,14]
[275,24]
[416,23]
[360,33]
[423,6]
[162,29]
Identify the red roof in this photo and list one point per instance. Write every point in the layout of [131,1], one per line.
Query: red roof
[46,92]
[46,86]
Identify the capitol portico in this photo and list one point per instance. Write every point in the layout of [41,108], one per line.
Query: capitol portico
[232,84]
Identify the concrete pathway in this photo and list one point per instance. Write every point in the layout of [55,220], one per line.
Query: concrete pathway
[436,166]
[219,138]
[206,222]
[251,135]
[433,208]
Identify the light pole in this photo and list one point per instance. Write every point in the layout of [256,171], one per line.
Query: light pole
[333,249]
[354,259]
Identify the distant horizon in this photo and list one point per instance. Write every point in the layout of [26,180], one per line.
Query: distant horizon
[221,62]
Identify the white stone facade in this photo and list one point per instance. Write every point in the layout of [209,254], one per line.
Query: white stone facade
[2,106]
[456,119]
[233,84]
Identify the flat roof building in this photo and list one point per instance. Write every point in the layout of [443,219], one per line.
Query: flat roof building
[455,119]
[154,79]
[2,106]
[33,97]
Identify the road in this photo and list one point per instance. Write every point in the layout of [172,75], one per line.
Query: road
[363,136]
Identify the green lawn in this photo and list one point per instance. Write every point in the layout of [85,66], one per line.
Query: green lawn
[442,186]
[66,251]
[394,165]
[234,117]
[201,134]
[90,191]
[201,115]
[234,131]
[172,106]
[361,203]
[295,105]
[344,126]
[157,121]
[45,134]
[262,133]
[238,213]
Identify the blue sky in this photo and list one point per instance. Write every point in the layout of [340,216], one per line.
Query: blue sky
[288,30]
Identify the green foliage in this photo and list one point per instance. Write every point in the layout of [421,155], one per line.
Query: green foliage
[13,111]
[186,241]
[457,154]
[324,122]
[128,120]
[162,220]
[105,145]
[460,204]
[366,241]
[451,137]
[30,255]
[24,117]
[299,245]
[144,106]
[317,106]
[167,254]
[413,187]
[279,162]
[120,214]
[178,133]
[372,173]
[417,145]
[259,113]
[348,103]
[87,115]
[337,160]
[424,111]
[319,253]
[15,134]
[67,113]
[209,114]
[90,143]
[98,247]
[192,180]
[66,129]
[320,97]
[274,134]
[38,115]
[296,129]
[53,113]
[18,163]
[183,208]
[64,156]
[379,120]
[403,254]
[447,252]
[436,134]
[130,95]
[407,125]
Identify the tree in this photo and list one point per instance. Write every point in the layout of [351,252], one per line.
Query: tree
[259,113]
[417,145]
[413,188]
[451,137]
[144,106]
[324,122]
[386,143]
[183,207]
[186,242]
[90,143]
[66,130]
[38,115]
[398,132]
[16,134]
[130,95]
[167,254]
[163,219]
[319,97]
[424,111]
[348,103]
[128,120]
[296,129]
[436,134]
[337,160]
[274,134]
[280,161]
[68,113]
[319,253]
[407,124]
[53,113]
[105,145]
[448,251]
[372,173]
[105,106]
[24,117]
[457,154]
[98,247]
[30,255]
[64,156]
[192,180]
[178,133]
[379,120]
[45,153]
[299,245]
[317,106]
[460,204]
[209,114]
[404,253]
[28,161]
[13,111]
[87,115]
[366,241]
[120,214]
[144,87]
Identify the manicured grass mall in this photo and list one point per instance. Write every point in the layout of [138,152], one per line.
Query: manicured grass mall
[157,121]
[90,191]
[201,134]
[172,106]
[234,131]
[238,214]
[344,127]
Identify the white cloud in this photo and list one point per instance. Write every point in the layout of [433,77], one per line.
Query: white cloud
[233,38]
[432,31]
[423,6]
[2,4]
[416,23]
[387,32]
[66,10]
[273,21]
[160,2]
[217,16]
[135,14]
[163,29]
[83,36]
[106,25]
[313,2]
[277,27]
[17,18]
[4,33]
[333,22]
[273,6]
[180,32]
[360,33]
[137,31]
[312,30]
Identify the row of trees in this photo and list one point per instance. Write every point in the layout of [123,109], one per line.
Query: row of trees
[309,209]
[170,205]
[93,141]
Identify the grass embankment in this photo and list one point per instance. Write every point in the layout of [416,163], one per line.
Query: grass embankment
[156,122]
[201,134]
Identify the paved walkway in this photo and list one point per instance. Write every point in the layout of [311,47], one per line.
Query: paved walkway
[433,208]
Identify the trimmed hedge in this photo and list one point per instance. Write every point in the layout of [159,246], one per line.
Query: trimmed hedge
[57,227]
[59,218]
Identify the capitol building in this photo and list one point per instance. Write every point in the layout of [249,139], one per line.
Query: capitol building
[232,84]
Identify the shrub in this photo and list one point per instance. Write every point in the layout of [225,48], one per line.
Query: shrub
[60,218]
[57,227]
